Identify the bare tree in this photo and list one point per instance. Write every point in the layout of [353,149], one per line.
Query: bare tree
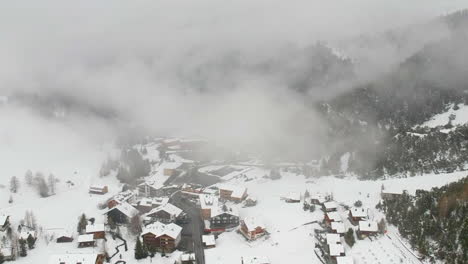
[135,225]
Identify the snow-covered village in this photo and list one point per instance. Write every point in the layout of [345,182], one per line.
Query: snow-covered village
[234,132]
[216,212]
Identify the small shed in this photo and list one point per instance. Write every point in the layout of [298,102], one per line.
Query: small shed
[97,189]
[86,241]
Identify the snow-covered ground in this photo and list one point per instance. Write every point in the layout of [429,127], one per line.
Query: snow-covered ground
[71,158]
[291,241]
[461,117]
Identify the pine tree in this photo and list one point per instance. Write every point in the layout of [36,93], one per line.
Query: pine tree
[82,223]
[140,250]
[23,248]
[14,184]
[31,241]
[2,258]
[41,185]
[349,237]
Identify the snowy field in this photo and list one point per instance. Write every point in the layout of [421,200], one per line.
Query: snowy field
[461,117]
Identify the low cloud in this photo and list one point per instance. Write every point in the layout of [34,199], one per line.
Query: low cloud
[221,70]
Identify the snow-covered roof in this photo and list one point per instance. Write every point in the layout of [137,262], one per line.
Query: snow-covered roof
[25,234]
[3,219]
[125,208]
[237,191]
[6,251]
[368,226]
[86,238]
[187,256]
[344,260]
[293,196]
[338,227]
[159,229]
[331,205]
[208,201]
[256,260]
[333,238]
[221,210]
[158,201]
[64,233]
[252,223]
[334,216]
[209,240]
[169,208]
[123,196]
[171,165]
[210,191]
[393,190]
[336,249]
[97,187]
[73,258]
[95,228]
[318,196]
[358,212]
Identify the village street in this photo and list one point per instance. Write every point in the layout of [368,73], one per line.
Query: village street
[195,226]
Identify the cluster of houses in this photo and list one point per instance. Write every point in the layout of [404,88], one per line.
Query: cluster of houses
[335,228]
[219,216]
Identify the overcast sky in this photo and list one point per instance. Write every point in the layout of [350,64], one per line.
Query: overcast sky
[134,56]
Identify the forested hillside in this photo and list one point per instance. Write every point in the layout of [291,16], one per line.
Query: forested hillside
[434,221]
[378,121]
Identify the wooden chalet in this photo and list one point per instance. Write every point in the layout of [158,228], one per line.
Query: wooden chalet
[64,237]
[224,217]
[86,241]
[391,194]
[330,206]
[122,213]
[357,214]
[145,204]
[97,230]
[162,237]
[232,193]
[127,196]
[252,228]
[338,228]
[96,189]
[367,228]
[208,203]
[166,213]
[317,199]
[209,241]
[331,217]
[292,198]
